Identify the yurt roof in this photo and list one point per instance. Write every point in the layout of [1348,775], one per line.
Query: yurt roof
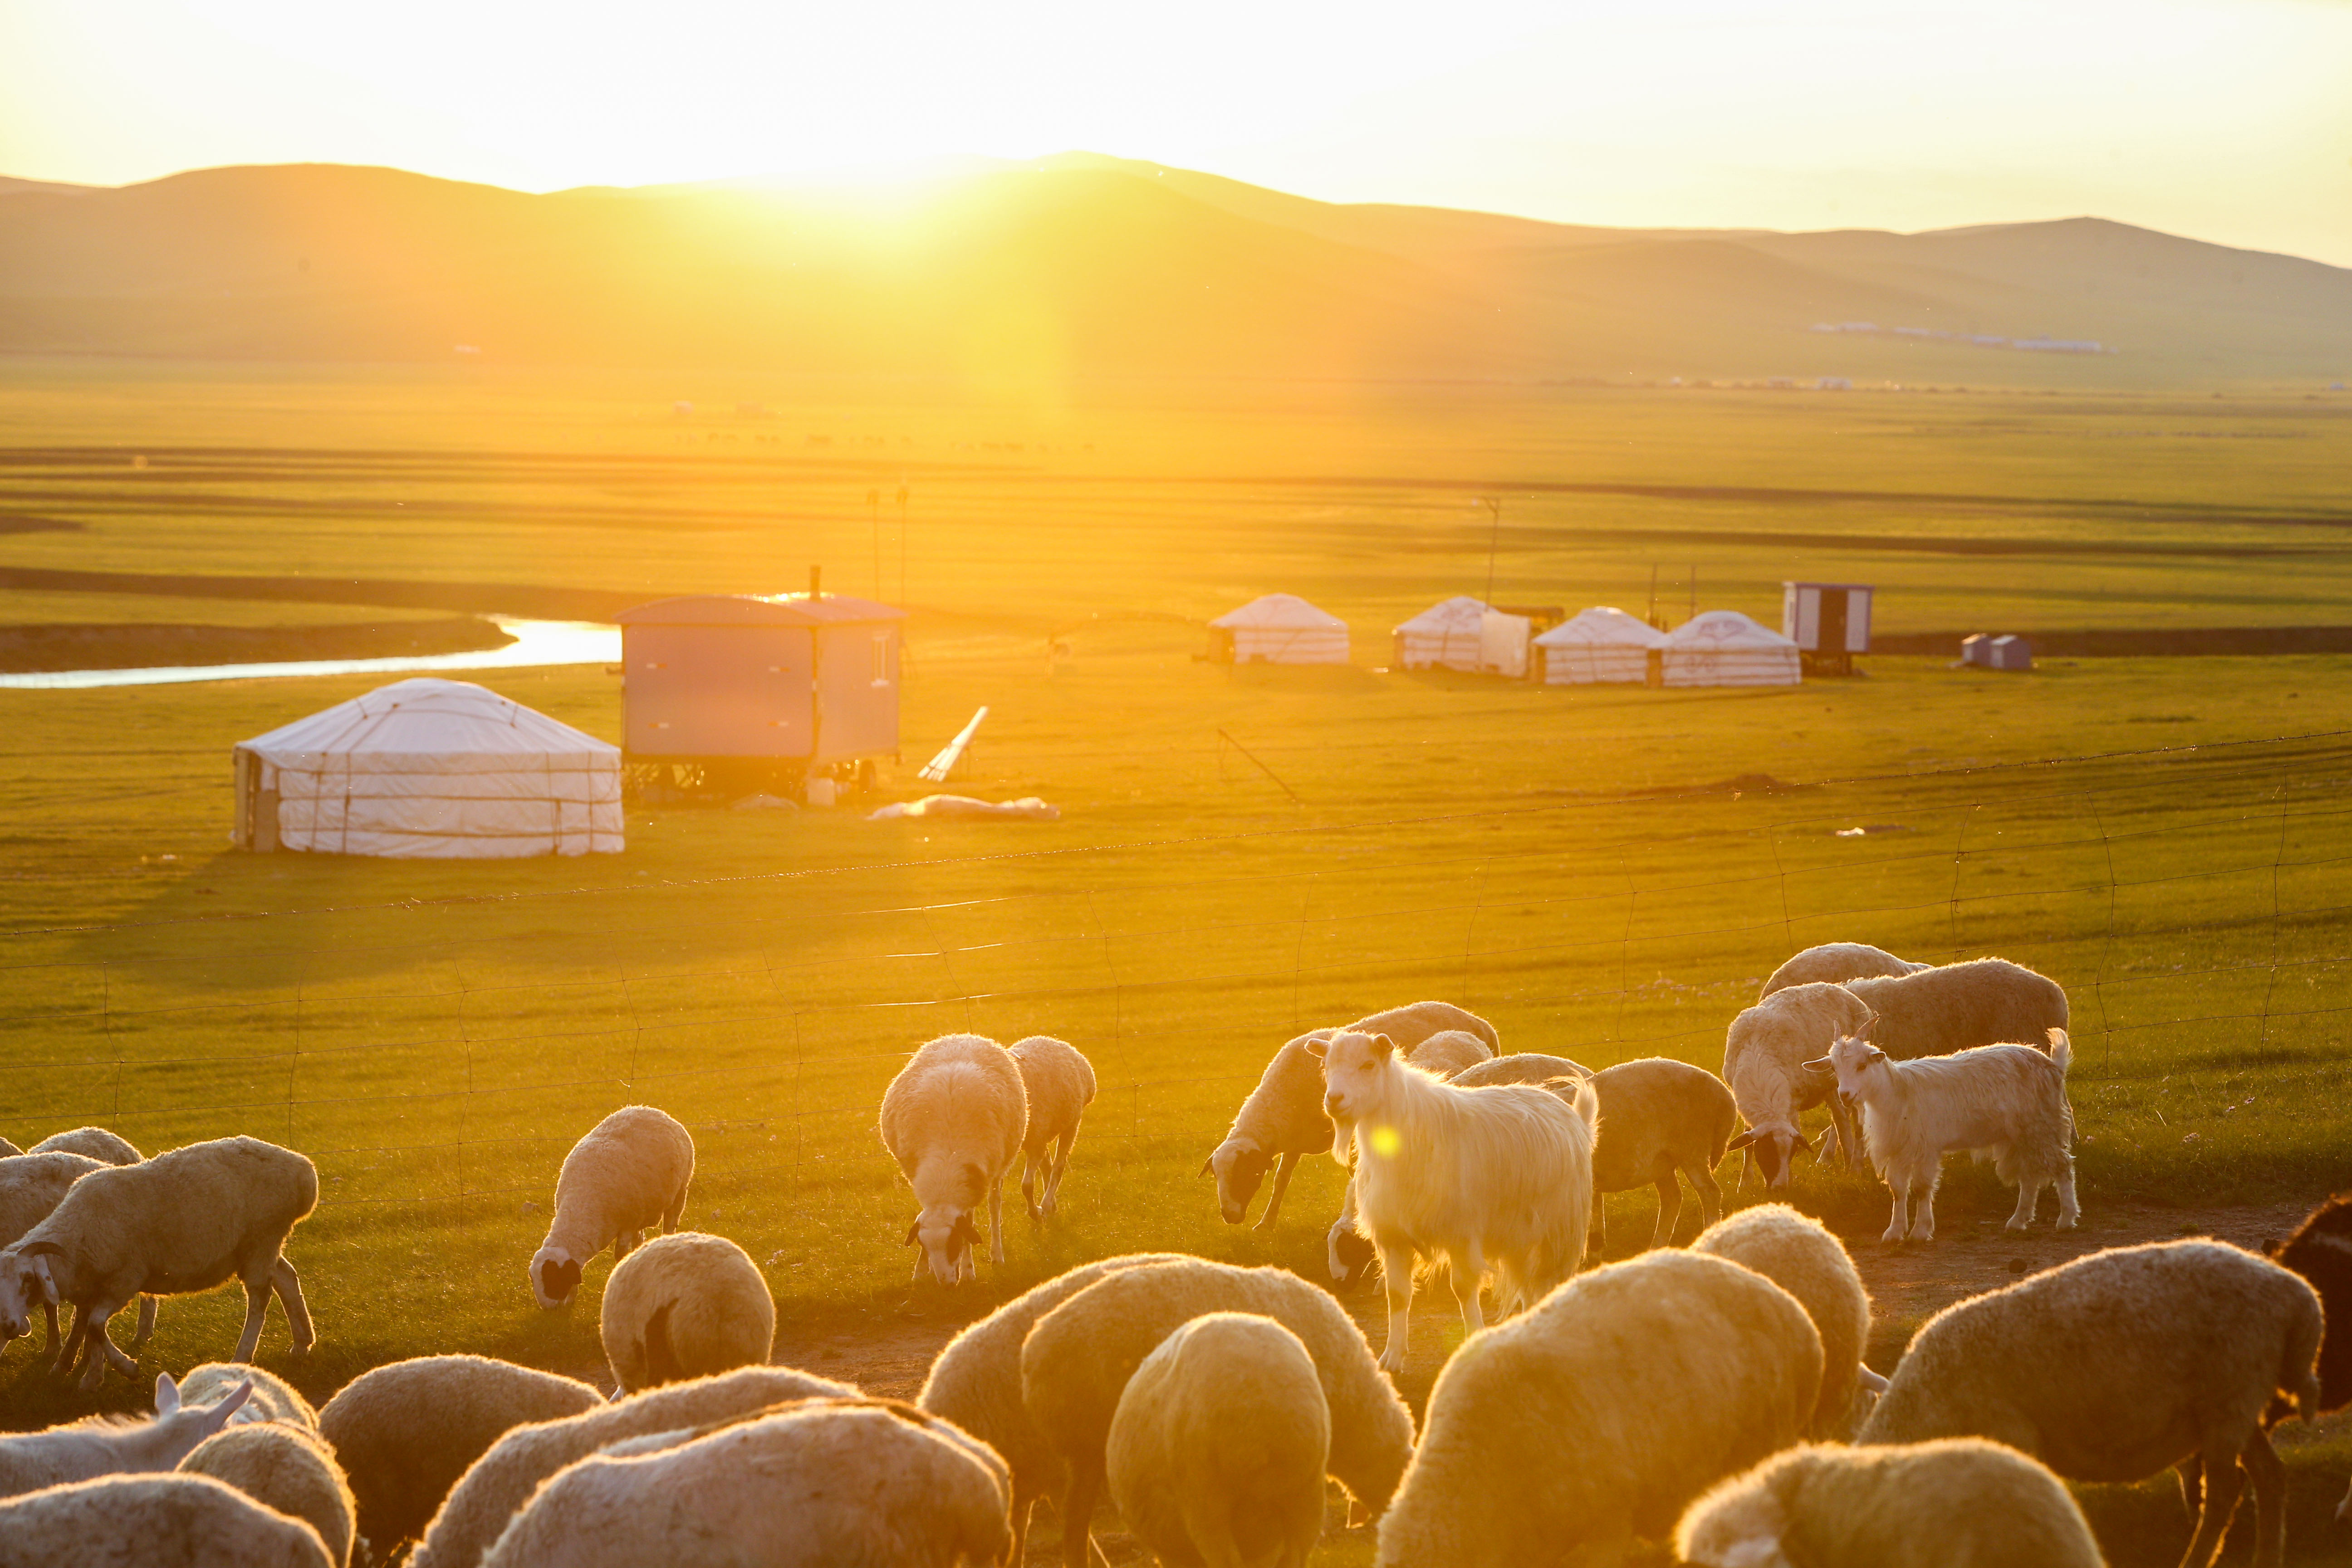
[1725,629]
[758,610]
[1604,625]
[1281,612]
[426,717]
[1459,614]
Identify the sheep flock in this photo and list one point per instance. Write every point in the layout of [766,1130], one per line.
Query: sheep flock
[1704,1402]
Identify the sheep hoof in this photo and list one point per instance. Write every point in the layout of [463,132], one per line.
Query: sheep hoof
[1893,1236]
[1393,1361]
[2065,1222]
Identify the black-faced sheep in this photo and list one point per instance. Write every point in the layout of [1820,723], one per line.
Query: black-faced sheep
[685,1306]
[628,1174]
[1764,1056]
[954,1119]
[1281,1123]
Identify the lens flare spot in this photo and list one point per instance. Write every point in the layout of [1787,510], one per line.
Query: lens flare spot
[1385,1143]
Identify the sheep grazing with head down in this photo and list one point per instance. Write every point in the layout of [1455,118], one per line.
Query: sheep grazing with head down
[31,1187]
[94,1143]
[1060,1084]
[107,1445]
[685,1306]
[1764,1056]
[955,1119]
[1598,1416]
[1834,963]
[1279,1124]
[1797,1253]
[1957,1006]
[1659,1116]
[628,1174]
[2121,1364]
[154,1521]
[1959,1504]
[285,1467]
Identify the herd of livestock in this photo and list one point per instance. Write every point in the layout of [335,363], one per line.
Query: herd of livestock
[1712,1396]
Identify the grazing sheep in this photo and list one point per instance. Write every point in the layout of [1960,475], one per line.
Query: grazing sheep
[1764,1056]
[1447,1052]
[1411,1024]
[2321,1251]
[273,1398]
[405,1432]
[285,1467]
[495,1487]
[183,1222]
[1835,962]
[106,1446]
[953,1119]
[1060,1084]
[152,1521]
[816,1484]
[2117,1365]
[95,1142]
[1499,1176]
[1526,1066]
[627,1174]
[1218,1446]
[1282,1121]
[1599,1415]
[975,1382]
[1984,1002]
[2005,1103]
[1797,1253]
[1958,1503]
[1659,1116]
[31,1187]
[683,1306]
[1076,1361]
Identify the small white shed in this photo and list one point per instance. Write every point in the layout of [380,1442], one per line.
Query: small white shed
[1279,628]
[1723,648]
[1829,622]
[1602,644]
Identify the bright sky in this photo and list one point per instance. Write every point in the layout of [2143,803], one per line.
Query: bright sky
[2228,120]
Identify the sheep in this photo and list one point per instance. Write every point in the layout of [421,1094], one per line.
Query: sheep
[629,1172]
[1797,1253]
[2121,1363]
[1076,1361]
[2007,1103]
[2320,1250]
[1659,1116]
[31,1187]
[1474,1176]
[405,1432]
[1599,1415]
[285,1467]
[1217,1448]
[105,1445]
[817,1483]
[273,1398]
[1836,963]
[1984,1002]
[1282,1121]
[183,1222]
[1526,1066]
[1764,1056]
[97,1142]
[683,1306]
[953,1119]
[975,1382]
[495,1487]
[152,1521]
[1958,1503]
[1446,1053]
[1410,1024]
[1059,1083]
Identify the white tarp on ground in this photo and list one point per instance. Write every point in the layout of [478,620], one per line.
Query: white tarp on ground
[1446,635]
[1723,648]
[438,768]
[1598,645]
[1282,628]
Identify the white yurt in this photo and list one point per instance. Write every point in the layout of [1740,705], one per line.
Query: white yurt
[1280,628]
[1446,635]
[1602,644]
[429,768]
[1723,648]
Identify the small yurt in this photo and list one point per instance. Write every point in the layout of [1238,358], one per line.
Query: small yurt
[1723,648]
[1280,628]
[425,768]
[1447,635]
[1602,644]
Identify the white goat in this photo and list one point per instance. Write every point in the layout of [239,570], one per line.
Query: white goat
[1472,1176]
[2005,1103]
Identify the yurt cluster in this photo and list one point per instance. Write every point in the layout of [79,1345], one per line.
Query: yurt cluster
[1598,646]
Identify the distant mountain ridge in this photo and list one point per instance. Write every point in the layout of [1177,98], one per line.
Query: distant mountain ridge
[1083,265]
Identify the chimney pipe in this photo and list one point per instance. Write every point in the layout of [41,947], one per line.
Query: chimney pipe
[816,576]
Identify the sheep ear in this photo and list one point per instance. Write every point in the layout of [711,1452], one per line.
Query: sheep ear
[167,1393]
[1383,1045]
[1742,1141]
[1316,1046]
[1874,1054]
[1209,1166]
[41,1249]
[914,1232]
[216,1417]
[1822,1064]
[1801,1146]
[976,1177]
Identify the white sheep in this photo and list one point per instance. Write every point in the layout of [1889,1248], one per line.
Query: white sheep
[1958,1503]
[495,1487]
[1497,1177]
[1764,1056]
[152,1521]
[817,1484]
[1282,1121]
[1659,1116]
[1217,1449]
[183,1222]
[1835,962]
[1076,1361]
[683,1306]
[954,1119]
[1522,1067]
[1797,1253]
[1600,1415]
[273,1398]
[407,1431]
[2005,1103]
[627,1174]
[2120,1364]
[289,1468]
[1448,1052]
[1059,1083]
[1414,1022]
[31,1187]
[96,1143]
[111,1444]
[1984,1002]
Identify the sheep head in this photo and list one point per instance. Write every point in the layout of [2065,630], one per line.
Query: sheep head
[1853,1059]
[1355,1073]
[1775,1151]
[25,1287]
[1240,1167]
[947,1234]
[555,1277]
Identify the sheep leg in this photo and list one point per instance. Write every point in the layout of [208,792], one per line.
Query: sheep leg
[1062,1147]
[675,1213]
[49,1308]
[1596,1241]
[1029,1163]
[623,1243]
[256,1307]
[996,1224]
[1841,1123]
[1710,1195]
[2029,1198]
[1396,1275]
[1922,1218]
[289,1287]
[1896,1225]
[1464,1272]
[1078,1512]
[2268,1473]
[1670,1207]
[2191,1472]
[2224,1482]
[104,1351]
[146,1323]
[2068,1210]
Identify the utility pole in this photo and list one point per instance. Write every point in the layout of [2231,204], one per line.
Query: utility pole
[1494,537]
[902,544]
[874,506]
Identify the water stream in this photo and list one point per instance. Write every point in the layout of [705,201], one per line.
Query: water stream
[535,643]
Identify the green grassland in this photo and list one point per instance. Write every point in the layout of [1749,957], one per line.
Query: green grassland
[2167,837]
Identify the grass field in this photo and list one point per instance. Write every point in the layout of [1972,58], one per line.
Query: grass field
[2167,837]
